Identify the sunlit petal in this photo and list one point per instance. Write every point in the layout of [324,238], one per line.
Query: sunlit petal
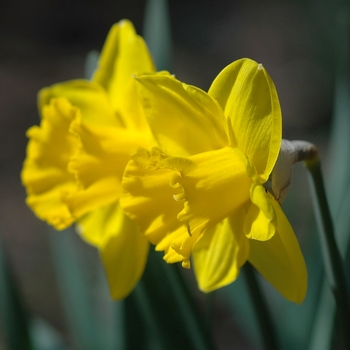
[280,260]
[220,253]
[249,99]
[183,118]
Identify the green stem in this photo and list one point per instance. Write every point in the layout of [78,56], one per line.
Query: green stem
[261,308]
[332,259]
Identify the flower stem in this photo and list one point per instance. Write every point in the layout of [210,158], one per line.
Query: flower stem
[260,306]
[331,255]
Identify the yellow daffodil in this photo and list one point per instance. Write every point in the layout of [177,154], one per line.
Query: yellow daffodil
[76,157]
[201,193]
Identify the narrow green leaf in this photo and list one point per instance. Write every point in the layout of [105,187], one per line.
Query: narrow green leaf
[340,145]
[266,325]
[72,280]
[339,175]
[109,314]
[157,32]
[44,336]
[322,332]
[169,317]
[13,317]
[238,299]
[332,259]
[91,61]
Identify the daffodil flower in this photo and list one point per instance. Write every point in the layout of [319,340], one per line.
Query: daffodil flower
[201,194]
[76,157]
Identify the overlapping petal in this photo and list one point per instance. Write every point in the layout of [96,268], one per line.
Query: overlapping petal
[280,260]
[184,119]
[249,99]
[123,249]
[220,253]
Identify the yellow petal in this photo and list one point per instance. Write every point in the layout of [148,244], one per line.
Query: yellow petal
[123,249]
[124,54]
[249,99]
[220,253]
[280,260]
[88,96]
[45,173]
[184,119]
[260,220]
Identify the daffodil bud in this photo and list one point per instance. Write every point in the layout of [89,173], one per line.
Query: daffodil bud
[281,176]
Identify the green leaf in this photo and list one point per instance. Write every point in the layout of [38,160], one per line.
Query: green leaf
[165,310]
[157,32]
[75,290]
[44,336]
[339,176]
[91,61]
[13,316]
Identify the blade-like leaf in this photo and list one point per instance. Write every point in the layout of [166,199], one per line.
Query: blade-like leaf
[168,314]
[72,280]
[157,32]
[13,317]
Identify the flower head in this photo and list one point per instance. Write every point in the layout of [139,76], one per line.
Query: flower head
[76,157]
[201,193]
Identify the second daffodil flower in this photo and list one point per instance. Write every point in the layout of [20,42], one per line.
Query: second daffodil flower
[76,157]
[201,193]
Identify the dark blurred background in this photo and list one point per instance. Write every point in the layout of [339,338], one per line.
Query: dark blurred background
[45,41]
